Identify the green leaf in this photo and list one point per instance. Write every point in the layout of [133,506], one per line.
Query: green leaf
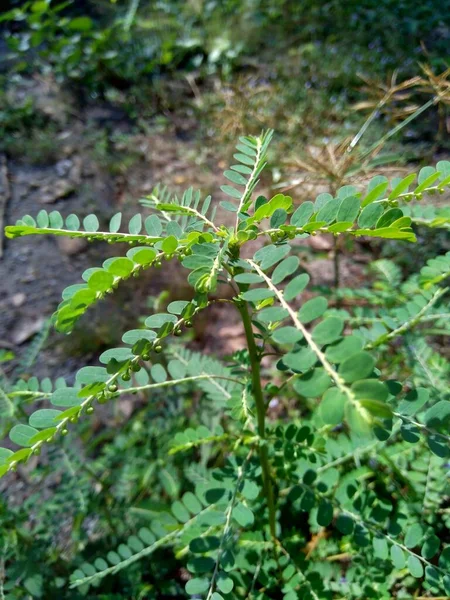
[278,218]
[197,586]
[390,233]
[88,375]
[398,557]
[231,191]
[313,384]
[272,314]
[380,546]
[402,187]
[328,330]
[415,567]
[143,256]
[73,223]
[312,309]
[321,200]
[280,201]
[270,255]
[159,319]
[114,224]
[345,348]
[191,502]
[146,536]
[135,224]
[244,159]
[235,177]
[56,220]
[21,434]
[287,335]
[430,547]
[228,206]
[250,490]
[90,223]
[446,583]
[413,536]
[65,397]
[101,281]
[348,209]
[44,434]
[300,360]
[438,414]
[258,294]
[358,366]
[303,213]
[153,226]
[5,453]
[243,515]
[204,544]
[424,173]
[331,408]
[224,583]
[375,193]
[370,215]
[201,564]
[42,219]
[169,244]
[180,512]
[345,524]
[329,211]
[248,278]
[324,513]
[44,418]
[413,401]
[113,558]
[81,24]
[389,217]
[296,287]
[121,267]
[288,266]
[358,419]
[377,408]
[158,373]
[370,389]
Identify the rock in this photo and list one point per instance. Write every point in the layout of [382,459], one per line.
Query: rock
[57,190]
[147,187]
[18,299]
[71,246]
[25,329]
[63,167]
[76,170]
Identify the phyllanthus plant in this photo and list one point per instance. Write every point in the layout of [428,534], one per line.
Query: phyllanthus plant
[237,529]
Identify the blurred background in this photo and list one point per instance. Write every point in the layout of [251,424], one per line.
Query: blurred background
[100,101]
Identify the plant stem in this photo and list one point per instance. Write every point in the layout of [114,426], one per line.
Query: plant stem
[261,414]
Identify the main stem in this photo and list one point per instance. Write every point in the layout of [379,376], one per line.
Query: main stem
[260,414]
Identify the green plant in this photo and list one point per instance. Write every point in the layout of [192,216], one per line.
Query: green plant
[342,494]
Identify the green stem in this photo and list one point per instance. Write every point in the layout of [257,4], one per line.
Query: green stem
[261,414]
